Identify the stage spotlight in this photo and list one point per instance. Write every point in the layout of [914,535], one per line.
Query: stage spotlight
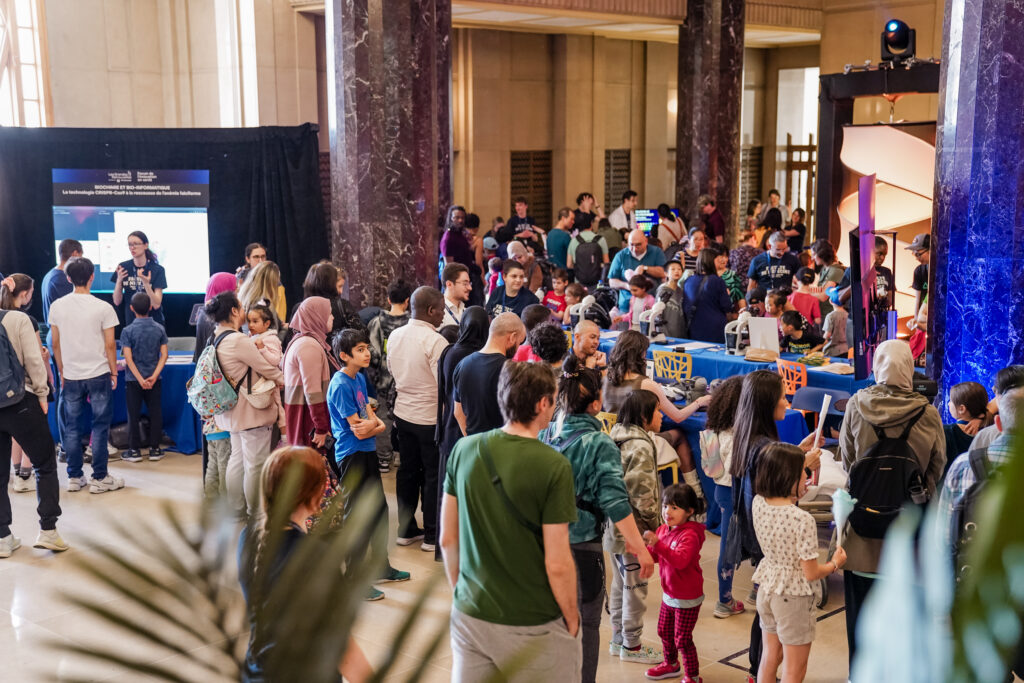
[898,42]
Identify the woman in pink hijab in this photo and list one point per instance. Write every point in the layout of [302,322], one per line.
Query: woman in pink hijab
[218,282]
[308,364]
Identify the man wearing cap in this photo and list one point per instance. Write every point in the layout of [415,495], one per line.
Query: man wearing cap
[921,246]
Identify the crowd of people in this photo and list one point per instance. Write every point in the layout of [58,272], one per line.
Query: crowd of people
[485,392]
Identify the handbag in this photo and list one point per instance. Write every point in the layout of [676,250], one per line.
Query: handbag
[259,394]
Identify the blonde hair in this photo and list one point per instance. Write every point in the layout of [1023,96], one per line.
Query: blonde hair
[261,285]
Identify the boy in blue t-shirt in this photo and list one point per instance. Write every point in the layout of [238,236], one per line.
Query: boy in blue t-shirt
[354,426]
[144,346]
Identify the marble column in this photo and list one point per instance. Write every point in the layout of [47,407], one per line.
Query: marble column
[708,119]
[977,301]
[389,76]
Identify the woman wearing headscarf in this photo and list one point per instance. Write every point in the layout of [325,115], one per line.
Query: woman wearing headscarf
[473,330]
[308,364]
[218,282]
[889,406]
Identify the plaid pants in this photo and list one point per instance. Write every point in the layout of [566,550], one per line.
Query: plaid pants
[675,628]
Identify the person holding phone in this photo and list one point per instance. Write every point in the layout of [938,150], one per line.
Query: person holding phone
[140,273]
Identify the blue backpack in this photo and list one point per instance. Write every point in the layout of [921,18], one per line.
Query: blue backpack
[12,372]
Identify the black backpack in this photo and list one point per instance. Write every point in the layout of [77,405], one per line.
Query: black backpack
[964,521]
[884,480]
[12,372]
[588,264]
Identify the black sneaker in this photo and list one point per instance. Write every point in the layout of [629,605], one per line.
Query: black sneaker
[131,455]
[62,455]
[384,464]
[156,454]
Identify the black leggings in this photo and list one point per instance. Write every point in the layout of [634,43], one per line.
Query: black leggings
[26,423]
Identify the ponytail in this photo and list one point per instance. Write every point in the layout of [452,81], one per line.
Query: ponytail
[11,286]
[578,386]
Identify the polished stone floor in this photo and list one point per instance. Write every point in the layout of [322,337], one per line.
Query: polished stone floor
[34,613]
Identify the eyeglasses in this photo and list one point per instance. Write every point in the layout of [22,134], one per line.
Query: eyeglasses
[462,282]
[135,244]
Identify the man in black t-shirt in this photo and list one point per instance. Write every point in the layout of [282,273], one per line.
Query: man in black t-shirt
[522,227]
[475,380]
[588,209]
[775,268]
[885,288]
[921,246]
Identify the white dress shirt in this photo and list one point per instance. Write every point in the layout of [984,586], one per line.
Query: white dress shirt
[413,353]
[453,312]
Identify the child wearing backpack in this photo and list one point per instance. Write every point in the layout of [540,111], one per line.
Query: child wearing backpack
[676,548]
[788,576]
[638,415]
[379,329]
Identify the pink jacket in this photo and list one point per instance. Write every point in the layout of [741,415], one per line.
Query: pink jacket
[677,553]
[236,354]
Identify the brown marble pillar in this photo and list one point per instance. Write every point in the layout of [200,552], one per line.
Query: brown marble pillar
[708,119]
[389,73]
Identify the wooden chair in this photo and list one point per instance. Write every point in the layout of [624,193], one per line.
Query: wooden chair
[794,375]
[607,420]
[673,365]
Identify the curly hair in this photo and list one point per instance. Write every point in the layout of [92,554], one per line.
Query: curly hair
[548,342]
[724,399]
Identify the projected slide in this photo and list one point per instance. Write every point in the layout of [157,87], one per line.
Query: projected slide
[99,208]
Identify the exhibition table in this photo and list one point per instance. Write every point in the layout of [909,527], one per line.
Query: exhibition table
[181,422]
[714,363]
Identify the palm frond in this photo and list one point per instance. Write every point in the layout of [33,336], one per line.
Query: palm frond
[176,574]
[988,610]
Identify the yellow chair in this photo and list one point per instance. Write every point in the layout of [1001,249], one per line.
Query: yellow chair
[607,420]
[672,467]
[672,365]
[568,336]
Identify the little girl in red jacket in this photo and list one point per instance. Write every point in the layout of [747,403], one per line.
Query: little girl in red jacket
[676,549]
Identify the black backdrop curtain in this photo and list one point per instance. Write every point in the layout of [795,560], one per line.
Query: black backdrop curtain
[264,187]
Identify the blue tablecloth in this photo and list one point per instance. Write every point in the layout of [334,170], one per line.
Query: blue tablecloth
[792,429]
[715,363]
[181,422]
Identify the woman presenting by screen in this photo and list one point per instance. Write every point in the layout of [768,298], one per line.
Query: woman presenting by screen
[141,273]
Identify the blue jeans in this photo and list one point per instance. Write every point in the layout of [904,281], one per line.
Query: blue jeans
[99,394]
[723,499]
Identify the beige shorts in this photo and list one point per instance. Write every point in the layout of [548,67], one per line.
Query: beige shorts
[791,617]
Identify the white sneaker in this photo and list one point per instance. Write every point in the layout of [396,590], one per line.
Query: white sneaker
[109,483]
[22,485]
[428,547]
[76,484]
[403,541]
[645,655]
[8,544]
[49,539]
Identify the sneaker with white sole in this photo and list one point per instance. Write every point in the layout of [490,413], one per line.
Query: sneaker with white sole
[8,544]
[645,654]
[131,455]
[49,539]
[108,483]
[725,610]
[664,670]
[156,454]
[77,484]
[428,547]
[614,648]
[20,485]
[752,597]
[403,540]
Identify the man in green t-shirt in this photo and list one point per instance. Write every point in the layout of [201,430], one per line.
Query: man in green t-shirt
[506,544]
